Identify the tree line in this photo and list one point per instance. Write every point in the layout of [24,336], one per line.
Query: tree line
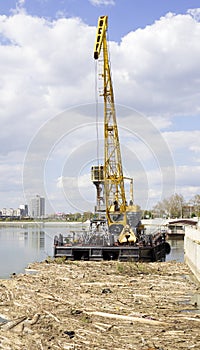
[177,207]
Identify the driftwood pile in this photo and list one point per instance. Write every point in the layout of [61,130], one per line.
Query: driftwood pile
[100,305]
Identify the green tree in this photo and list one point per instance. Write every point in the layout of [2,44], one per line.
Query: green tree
[87,215]
[196,203]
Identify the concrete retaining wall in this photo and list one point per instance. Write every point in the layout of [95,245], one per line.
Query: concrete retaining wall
[192,249]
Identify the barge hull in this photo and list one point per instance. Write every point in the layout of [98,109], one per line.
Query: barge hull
[121,253]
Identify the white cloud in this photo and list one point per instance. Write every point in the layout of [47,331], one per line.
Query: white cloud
[160,122]
[196,150]
[156,68]
[78,192]
[43,68]
[188,181]
[195,13]
[46,67]
[179,140]
[19,6]
[102,2]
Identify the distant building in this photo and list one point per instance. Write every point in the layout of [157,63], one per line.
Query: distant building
[187,211]
[23,210]
[11,213]
[37,207]
[4,212]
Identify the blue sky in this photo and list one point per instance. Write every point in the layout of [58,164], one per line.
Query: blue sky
[124,15]
[47,98]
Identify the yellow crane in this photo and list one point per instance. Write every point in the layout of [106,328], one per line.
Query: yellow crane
[115,231]
[114,189]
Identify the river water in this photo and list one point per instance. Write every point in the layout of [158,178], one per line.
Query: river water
[21,244]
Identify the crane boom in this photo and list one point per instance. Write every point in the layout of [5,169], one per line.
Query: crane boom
[115,198]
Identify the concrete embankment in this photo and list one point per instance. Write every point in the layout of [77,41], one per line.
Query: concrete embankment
[100,305]
[192,249]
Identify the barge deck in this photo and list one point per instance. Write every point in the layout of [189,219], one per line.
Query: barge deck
[156,252]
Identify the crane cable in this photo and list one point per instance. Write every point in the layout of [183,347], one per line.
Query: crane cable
[97,110]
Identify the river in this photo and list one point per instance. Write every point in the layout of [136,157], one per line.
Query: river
[21,244]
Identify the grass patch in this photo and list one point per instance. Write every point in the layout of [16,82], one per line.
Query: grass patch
[133,268]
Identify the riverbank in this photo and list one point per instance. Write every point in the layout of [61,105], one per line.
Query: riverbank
[43,224]
[100,305]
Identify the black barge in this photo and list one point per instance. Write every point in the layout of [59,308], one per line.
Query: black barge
[150,248]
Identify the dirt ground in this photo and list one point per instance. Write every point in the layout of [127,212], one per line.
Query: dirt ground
[100,305]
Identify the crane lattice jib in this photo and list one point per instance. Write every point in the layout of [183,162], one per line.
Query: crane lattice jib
[113,172]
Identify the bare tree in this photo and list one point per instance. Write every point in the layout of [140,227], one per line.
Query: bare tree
[170,207]
[176,205]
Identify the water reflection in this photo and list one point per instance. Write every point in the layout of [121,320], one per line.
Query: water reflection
[18,247]
[34,239]
[177,250]
[21,245]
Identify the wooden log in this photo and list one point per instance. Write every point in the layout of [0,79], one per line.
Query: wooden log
[51,315]
[35,319]
[126,318]
[11,324]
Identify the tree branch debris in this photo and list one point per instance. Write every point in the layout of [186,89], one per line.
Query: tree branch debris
[100,305]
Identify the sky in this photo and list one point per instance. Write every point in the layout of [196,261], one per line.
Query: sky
[51,114]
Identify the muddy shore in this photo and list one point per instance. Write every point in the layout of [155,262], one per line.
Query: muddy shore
[100,305]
